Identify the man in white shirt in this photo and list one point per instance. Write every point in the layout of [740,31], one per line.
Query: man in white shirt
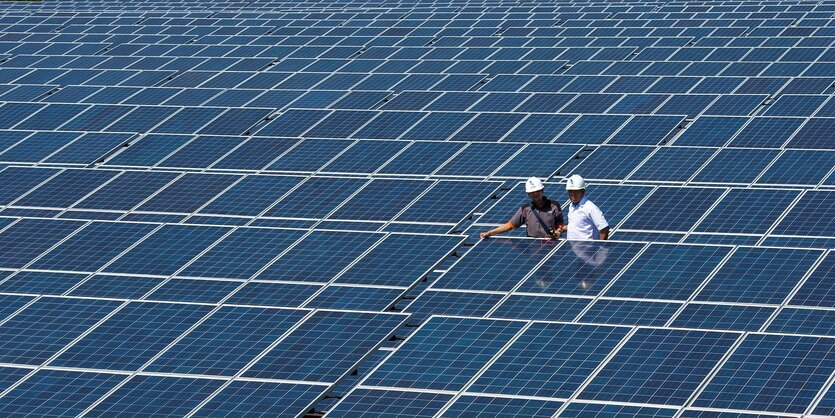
[585,220]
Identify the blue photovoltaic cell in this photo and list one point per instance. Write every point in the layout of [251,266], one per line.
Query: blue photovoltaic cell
[132,336]
[672,209]
[710,131]
[539,128]
[817,290]
[10,375]
[201,152]
[421,158]
[735,104]
[93,246]
[251,196]
[444,354]
[166,250]
[400,260]
[23,241]
[188,193]
[192,290]
[580,268]
[41,283]
[815,134]
[11,303]
[448,201]
[273,294]
[255,154]
[19,180]
[364,157]
[611,162]
[799,167]
[381,200]
[488,407]
[261,399]
[227,341]
[672,164]
[158,396]
[549,360]
[326,346]
[66,188]
[758,275]
[590,410]
[659,366]
[540,160]
[316,197]
[319,256]
[118,287]
[88,149]
[646,130]
[810,216]
[38,146]
[740,166]
[57,393]
[235,121]
[775,373]
[750,211]
[496,264]
[375,403]
[437,302]
[591,129]
[629,312]
[666,271]
[355,298]
[389,125]
[149,150]
[478,160]
[242,253]
[126,191]
[722,317]
[766,132]
[488,127]
[804,321]
[309,155]
[438,126]
[292,123]
[46,326]
[692,413]
[540,308]
[188,120]
[339,124]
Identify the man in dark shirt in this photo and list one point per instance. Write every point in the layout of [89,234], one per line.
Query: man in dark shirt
[550,215]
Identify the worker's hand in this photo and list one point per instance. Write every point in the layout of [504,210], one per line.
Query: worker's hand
[556,234]
[484,235]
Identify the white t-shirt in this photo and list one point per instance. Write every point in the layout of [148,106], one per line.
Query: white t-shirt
[585,220]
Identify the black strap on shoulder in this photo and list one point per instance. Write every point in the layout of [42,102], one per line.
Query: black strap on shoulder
[541,223]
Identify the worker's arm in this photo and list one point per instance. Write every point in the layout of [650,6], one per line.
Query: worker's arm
[604,233]
[497,230]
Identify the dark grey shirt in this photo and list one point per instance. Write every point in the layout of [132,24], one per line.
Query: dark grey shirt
[550,213]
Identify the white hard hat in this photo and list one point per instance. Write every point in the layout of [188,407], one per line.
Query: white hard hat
[533,184]
[575,182]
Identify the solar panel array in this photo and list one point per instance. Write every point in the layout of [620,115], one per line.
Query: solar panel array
[270,208]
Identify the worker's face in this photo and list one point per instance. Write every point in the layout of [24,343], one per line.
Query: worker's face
[536,196]
[575,196]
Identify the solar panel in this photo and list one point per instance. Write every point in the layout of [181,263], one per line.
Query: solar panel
[325,346]
[528,368]
[680,361]
[758,357]
[156,395]
[390,403]
[485,406]
[444,354]
[59,392]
